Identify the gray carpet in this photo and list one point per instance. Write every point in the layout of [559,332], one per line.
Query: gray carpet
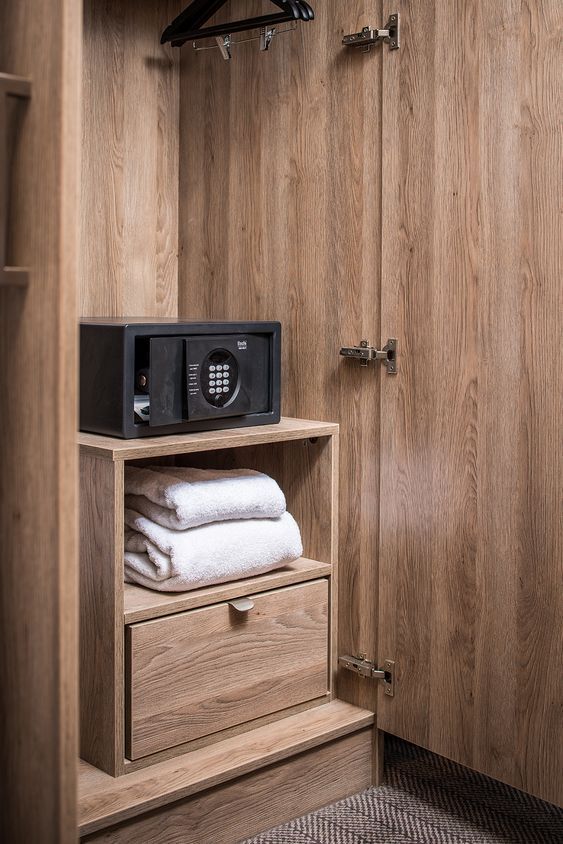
[426,800]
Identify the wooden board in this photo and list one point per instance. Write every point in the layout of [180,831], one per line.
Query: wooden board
[129,209]
[104,801]
[471,536]
[149,447]
[102,699]
[203,671]
[231,812]
[141,604]
[280,168]
[40,39]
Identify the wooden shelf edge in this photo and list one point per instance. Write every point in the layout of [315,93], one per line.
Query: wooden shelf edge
[14,277]
[104,800]
[142,604]
[15,86]
[113,448]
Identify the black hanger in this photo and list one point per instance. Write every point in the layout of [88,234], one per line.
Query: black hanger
[306,11]
[188,25]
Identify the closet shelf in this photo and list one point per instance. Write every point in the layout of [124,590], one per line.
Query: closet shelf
[142,604]
[113,448]
[14,277]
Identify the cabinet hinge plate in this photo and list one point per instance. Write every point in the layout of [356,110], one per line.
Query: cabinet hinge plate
[366,668]
[366,353]
[369,36]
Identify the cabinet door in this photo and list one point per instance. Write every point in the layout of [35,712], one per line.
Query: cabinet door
[471,550]
[39,40]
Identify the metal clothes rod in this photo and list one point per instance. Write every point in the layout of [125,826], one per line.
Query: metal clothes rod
[189,24]
[228,28]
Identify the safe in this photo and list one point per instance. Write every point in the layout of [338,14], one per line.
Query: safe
[139,377]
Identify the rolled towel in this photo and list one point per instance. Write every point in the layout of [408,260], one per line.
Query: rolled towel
[179,497]
[175,561]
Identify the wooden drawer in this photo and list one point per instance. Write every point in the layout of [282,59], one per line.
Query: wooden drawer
[198,672]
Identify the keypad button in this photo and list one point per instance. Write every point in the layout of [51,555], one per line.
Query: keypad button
[212,390]
[212,369]
[219,382]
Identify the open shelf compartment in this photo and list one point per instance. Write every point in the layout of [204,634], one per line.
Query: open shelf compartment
[301,455]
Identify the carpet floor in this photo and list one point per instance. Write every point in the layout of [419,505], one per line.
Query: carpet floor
[426,799]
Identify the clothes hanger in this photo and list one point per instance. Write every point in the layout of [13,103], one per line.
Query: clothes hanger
[189,24]
[304,10]
[307,13]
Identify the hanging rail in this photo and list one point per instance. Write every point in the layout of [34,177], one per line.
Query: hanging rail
[189,24]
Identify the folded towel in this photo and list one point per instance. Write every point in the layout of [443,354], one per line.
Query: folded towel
[175,561]
[178,497]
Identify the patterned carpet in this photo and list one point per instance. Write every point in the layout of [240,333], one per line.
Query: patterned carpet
[426,800]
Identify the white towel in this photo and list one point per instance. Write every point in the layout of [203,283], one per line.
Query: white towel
[175,561]
[179,497]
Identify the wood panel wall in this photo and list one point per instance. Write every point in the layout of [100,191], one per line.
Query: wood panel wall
[472,457]
[280,219]
[38,458]
[129,211]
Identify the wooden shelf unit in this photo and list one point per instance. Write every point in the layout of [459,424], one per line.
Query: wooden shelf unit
[301,455]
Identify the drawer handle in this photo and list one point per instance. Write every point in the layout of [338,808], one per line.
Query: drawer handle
[242,604]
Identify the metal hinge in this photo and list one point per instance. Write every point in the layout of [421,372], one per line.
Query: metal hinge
[366,353]
[368,36]
[366,668]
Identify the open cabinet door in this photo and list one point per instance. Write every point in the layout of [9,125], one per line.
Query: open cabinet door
[471,551]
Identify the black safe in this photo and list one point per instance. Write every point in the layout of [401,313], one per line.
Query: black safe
[139,378]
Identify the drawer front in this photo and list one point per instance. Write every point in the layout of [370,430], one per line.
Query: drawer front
[202,671]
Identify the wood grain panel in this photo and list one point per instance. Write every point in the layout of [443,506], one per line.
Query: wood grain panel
[130,160]
[104,800]
[472,472]
[195,673]
[280,177]
[149,447]
[229,813]
[102,699]
[179,750]
[40,39]
[142,604]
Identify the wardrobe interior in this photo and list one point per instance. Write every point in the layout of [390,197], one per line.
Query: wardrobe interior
[406,195]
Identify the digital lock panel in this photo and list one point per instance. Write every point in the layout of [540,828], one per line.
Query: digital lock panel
[227,376]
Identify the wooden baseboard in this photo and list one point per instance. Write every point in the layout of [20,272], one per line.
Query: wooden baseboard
[251,804]
[106,801]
